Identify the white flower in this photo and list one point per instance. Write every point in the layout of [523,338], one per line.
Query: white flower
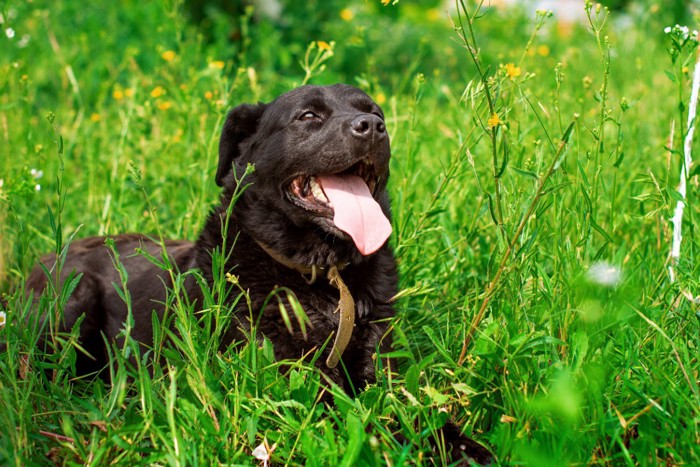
[605,274]
[36,173]
[682,33]
[261,454]
[3,319]
[2,182]
[23,41]
[37,187]
[10,33]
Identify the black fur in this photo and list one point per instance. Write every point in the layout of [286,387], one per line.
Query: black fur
[310,130]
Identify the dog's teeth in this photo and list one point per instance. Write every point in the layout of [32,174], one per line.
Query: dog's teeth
[317,190]
[367,161]
[305,187]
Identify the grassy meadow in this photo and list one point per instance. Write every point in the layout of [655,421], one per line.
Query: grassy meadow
[534,175]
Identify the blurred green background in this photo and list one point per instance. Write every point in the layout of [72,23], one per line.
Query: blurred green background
[568,366]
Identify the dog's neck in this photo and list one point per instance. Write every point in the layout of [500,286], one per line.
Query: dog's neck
[346,304]
[314,270]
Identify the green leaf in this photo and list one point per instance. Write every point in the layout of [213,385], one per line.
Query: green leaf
[579,348]
[695,170]
[600,230]
[412,379]
[356,434]
[70,284]
[295,380]
[464,389]
[438,345]
[567,133]
[504,164]
[671,76]
[435,396]
[526,173]
[489,202]
[675,195]
[619,159]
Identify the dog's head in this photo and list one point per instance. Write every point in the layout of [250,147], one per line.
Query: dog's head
[321,157]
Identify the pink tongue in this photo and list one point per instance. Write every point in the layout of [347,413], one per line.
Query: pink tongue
[356,212]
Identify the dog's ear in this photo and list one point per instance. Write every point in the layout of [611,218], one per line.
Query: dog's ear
[241,123]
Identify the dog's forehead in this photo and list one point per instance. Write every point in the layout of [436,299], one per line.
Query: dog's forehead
[337,97]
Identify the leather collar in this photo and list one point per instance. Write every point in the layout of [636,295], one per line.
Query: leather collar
[346,304]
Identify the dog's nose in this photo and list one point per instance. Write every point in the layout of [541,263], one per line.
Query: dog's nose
[368,125]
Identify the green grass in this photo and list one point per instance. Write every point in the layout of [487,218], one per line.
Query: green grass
[561,369]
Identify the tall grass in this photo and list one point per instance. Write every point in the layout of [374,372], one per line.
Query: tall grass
[535,306]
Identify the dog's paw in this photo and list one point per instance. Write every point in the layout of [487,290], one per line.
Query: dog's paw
[464,450]
[471,453]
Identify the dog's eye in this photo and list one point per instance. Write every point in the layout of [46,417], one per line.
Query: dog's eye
[308,116]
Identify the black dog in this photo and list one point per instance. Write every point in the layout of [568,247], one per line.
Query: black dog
[313,217]
[319,154]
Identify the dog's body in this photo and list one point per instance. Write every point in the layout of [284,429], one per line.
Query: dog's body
[321,162]
[96,297]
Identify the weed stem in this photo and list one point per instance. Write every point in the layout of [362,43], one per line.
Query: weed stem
[491,287]
[473,49]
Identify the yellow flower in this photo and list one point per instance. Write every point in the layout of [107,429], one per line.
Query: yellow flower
[565,28]
[218,64]
[231,278]
[208,95]
[512,71]
[95,117]
[346,14]
[493,121]
[118,94]
[433,14]
[128,92]
[165,105]
[157,91]
[543,50]
[168,55]
[386,2]
[380,98]
[323,45]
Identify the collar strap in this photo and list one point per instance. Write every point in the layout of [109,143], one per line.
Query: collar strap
[303,269]
[346,304]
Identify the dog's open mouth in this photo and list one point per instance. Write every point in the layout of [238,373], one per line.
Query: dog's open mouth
[346,197]
[307,190]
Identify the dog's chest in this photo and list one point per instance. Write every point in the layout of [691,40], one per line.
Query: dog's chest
[284,301]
